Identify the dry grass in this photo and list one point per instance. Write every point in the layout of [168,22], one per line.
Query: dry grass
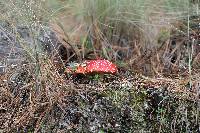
[139,34]
[154,91]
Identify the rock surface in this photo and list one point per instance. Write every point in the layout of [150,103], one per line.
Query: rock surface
[11,50]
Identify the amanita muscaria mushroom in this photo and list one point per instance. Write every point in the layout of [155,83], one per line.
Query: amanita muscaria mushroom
[94,66]
[100,66]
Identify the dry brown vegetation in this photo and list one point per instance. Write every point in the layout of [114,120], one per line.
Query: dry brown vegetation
[157,53]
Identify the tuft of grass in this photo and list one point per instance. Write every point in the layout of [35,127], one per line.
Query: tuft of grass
[128,30]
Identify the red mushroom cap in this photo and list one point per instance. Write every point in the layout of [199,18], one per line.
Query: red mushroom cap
[100,66]
[92,66]
[81,70]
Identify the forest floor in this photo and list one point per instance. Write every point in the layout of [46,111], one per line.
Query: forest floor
[39,97]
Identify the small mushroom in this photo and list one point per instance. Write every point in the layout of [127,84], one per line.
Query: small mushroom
[80,69]
[100,66]
[93,66]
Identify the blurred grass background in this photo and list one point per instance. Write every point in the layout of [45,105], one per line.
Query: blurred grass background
[127,31]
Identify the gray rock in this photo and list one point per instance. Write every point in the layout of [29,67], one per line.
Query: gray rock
[11,50]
